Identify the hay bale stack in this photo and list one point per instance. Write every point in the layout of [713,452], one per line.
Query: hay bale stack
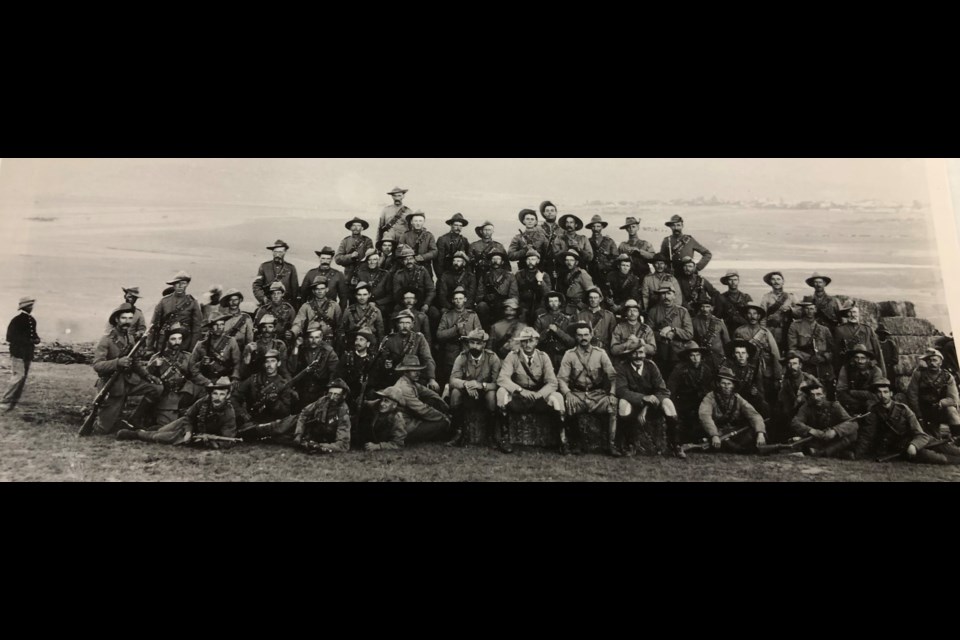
[902,326]
[913,345]
[906,364]
[895,308]
[901,384]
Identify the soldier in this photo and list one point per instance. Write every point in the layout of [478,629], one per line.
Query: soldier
[317,307]
[710,331]
[215,356]
[178,307]
[389,256]
[324,425]
[641,392]
[276,270]
[254,352]
[639,251]
[679,245]
[779,306]
[932,395]
[337,288]
[455,277]
[412,276]
[791,394]
[588,382]
[659,279]
[421,323]
[551,230]
[600,321]
[266,399]
[378,279]
[111,356]
[238,325]
[852,332]
[893,428]
[724,410]
[693,286]
[23,339]
[532,285]
[605,250]
[494,287]
[393,222]
[353,249]
[319,357]
[856,376]
[744,363]
[212,415]
[473,383]
[424,410]
[505,333]
[285,316]
[828,423]
[387,424]
[451,243]
[483,249]
[689,383]
[621,284]
[672,327]
[171,366]
[408,342]
[733,302]
[530,238]
[456,324]
[828,307]
[358,367]
[527,384]
[363,314]
[569,240]
[421,241]
[552,325]
[815,345]
[767,350]
[889,349]
[573,282]
[631,333]
[130,296]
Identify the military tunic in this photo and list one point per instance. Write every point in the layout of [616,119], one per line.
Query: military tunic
[453,326]
[640,252]
[201,418]
[259,387]
[419,406]
[828,309]
[313,385]
[846,336]
[503,336]
[781,312]
[554,344]
[889,430]
[574,286]
[396,346]
[814,343]
[621,288]
[829,415]
[381,285]
[532,292]
[343,257]
[239,327]
[589,376]
[131,382]
[676,248]
[424,245]
[367,317]
[173,369]
[933,396]
[173,309]
[790,396]
[853,387]
[448,283]
[731,308]
[648,290]
[564,241]
[416,278]
[719,414]
[668,349]
[354,369]
[767,348]
[711,333]
[138,326]
[602,322]
[213,358]
[284,314]
[310,311]
[688,386]
[319,422]
[480,252]
[393,221]
[621,335]
[530,239]
[604,254]
[264,344]
[337,288]
[268,273]
[447,245]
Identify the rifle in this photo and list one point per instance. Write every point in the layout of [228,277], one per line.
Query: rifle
[932,445]
[101,397]
[704,444]
[261,404]
[209,437]
[768,449]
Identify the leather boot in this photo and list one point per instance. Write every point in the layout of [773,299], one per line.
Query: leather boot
[456,440]
[127,434]
[564,445]
[501,434]
[612,447]
[673,437]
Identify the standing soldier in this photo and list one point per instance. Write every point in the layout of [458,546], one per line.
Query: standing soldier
[358,367]
[455,325]
[689,383]
[815,345]
[852,332]
[672,327]
[254,352]
[552,326]
[622,285]
[421,323]
[238,325]
[551,230]
[710,331]
[856,376]
[412,276]
[659,279]
[336,284]
[693,286]
[393,222]
[767,350]
[642,391]
[215,356]
[457,276]
[482,251]
[422,242]
[679,245]
[494,287]
[389,256]
[932,394]
[276,270]
[283,313]
[828,307]
[473,383]
[450,243]
[588,382]
[178,307]
[733,302]
[363,314]
[266,400]
[791,394]
[378,279]
[317,307]
[353,249]
[828,423]
[604,251]
[405,342]
[532,285]
[130,296]
[504,334]
[531,237]
[319,357]
[171,366]
[23,339]
[631,333]
[639,251]
[779,306]
[600,321]
[573,282]
[569,240]
[724,410]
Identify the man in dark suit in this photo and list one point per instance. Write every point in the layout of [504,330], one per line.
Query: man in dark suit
[22,336]
[642,392]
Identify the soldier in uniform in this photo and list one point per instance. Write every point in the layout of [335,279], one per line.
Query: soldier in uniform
[852,332]
[424,410]
[631,333]
[621,284]
[318,356]
[387,424]
[791,394]
[659,279]
[264,400]
[337,288]
[779,307]
[358,367]
[172,367]
[405,342]
[552,326]
[532,285]
[353,249]
[484,249]
[495,286]
[600,321]
[889,348]
[454,326]
[573,282]
[642,392]
[451,243]
[237,324]
[639,251]
[393,223]
[693,286]
[130,296]
[588,382]
[276,270]
[473,382]
[324,425]
[746,364]
[932,395]
[389,255]
[767,350]
[285,316]
[378,279]
[530,238]
[178,307]
[421,241]
[457,276]
[23,339]
[828,307]
[215,356]
[828,423]
[318,307]
[570,240]
[679,245]
[710,331]
[550,230]
[689,383]
[363,314]
[856,376]
[815,344]
[733,302]
[412,276]
[527,383]
[604,249]
[254,352]
[421,323]
[724,410]
[504,334]
[672,327]
[111,356]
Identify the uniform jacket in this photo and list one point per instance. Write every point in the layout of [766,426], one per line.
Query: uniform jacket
[173,370]
[654,281]
[574,286]
[790,397]
[677,317]
[731,308]
[829,416]
[417,411]
[828,309]
[564,241]
[530,239]
[677,248]
[604,253]
[110,348]
[337,288]
[803,336]
[204,418]
[513,375]
[632,386]
[485,369]
[347,246]
[396,346]
[715,416]
[766,346]
[640,252]
[352,368]
[265,344]
[139,325]
[259,385]
[172,309]
[497,285]
[450,330]
[423,244]
[530,292]
[397,223]
[390,429]
[22,336]
[689,385]
[447,245]
[622,333]
[357,317]
[284,313]
[310,311]
[224,360]
[889,430]
[244,332]
[696,288]
[603,323]
[927,387]
[847,335]
[621,288]
[588,371]
[381,285]
[319,422]
[555,344]
[710,333]
[416,278]
[785,312]
[268,273]
[314,383]
[503,336]
[480,256]
[449,281]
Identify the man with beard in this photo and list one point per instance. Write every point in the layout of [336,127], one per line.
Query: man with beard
[237,324]
[604,250]
[856,377]
[828,307]
[573,282]
[639,251]
[733,302]
[405,342]
[362,314]
[710,331]
[791,394]
[421,323]
[455,277]
[177,308]
[212,415]
[530,238]
[532,285]
[421,241]
[570,240]
[482,251]
[600,321]
[337,288]
[631,333]
[254,352]
[276,270]
[353,249]
[552,325]
[659,279]
[216,356]
[550,230]
[494,287]
[172,367]
[393,222]
[359,365]
[815,344]
[743,362]
[827,422]
[378,279]
[767,350]
[400,417]
[527,383]
[320,358]
[23,339]
[588,382]
[643,394]
[111,356]
[852,332]
[724,410]
[387,423]
[424,410]
[689,383]
[451,243]
[779,307]
[455,325]
[672,327]
[693,286]
[473,383]
[412,276]
[622,284]
[317,307]
[389,256]
[679,245]
[130,296]
[932,394]
[504,333]
[324,425]
[284,314]
[266,401]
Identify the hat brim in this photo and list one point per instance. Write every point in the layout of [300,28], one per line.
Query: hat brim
[627,226]
[461,221]
[225,300]
[853,352]
[700,350]
[214,386]
[397,193]
[604,225]
[521,216]
[826,280]
[403,368]
[723,377]
[364,223]
[767,277]
[279,246]
[320,254]
[173,282]
[563,220]
[733,344]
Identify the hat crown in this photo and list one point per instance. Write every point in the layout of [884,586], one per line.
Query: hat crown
[477,334]
[528,333]
[267,319]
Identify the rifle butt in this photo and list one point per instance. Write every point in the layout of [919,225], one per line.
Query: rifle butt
[87,427]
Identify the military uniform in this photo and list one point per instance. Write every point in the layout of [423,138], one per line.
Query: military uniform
[239,327]
[313,385]
[554,344]
[213,358]
[547,257]
[696,288]
[416,278]
[321,423]
[814,343]
[309,312]
[655,281]
[381,285]
[268,273]
[732,309]
[424,245]
[767,349]
[447,284]
[201,418]
[139,324]
[504,336]
[829,415]
[22,337]
[453,326]
[889,430]
[343,257]
[683,246]
[278,404]
[393,223]
[130,382]
[447,245]
[853,387]
[780,314]
[602,323]
[790,397]
[368,317]
[419,416]
[828,309]
[752,387]
[396,346]
[633,384]
[933,397]
[173,369]
[530,239]
[564,241]
[485,370]
[719,414]
[639,264]
[284,314]
[574,286]
[264,344]
[493,288]
[389,429]
[531,292]
[677,317]
[623,331]
[688,385]
[337,288]
[712,333]
[173,309]
[846,336]
[588,376]
[480,252]
[605,254]
[537,375]
[621,288]
[354,369]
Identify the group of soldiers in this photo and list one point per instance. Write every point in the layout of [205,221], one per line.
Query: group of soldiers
[416,332]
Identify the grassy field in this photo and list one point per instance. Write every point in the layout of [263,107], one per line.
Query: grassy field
[37,442]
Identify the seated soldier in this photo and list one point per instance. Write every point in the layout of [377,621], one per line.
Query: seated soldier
[358,368]
[743,363]
[210,422]
[587,381]
[321,360]
[282,311]
[527,384]
[932,394]
[710,331]
[253,354]
[831,427]
[552,325]
[503,334]
[642,393]
[216,356]
[171,366]
[689,383]
[790,396]
[324,425]
[724,411]
[405,341]
[853,384]
[631,332]
[264,400]
[473,382]
[426,415]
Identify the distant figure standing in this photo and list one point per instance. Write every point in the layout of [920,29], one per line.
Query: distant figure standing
[393,223]
[22,336]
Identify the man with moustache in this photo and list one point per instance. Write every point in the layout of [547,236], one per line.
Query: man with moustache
[689,383]
[604,250]
[622,284]
[216,356]
[405,341]
[552,327]
[631,333]
[353,249]
[551,230]
[724,410]
[710,331]
[494,287]
[779,306]
[455,325]
[504,333]
[530,238]
[318,307]
[171,366]
[600,321]
[130,296]
[767,349]
[237,324]
[319,357]
[421,323]
[856,378]
[337,288]
[23,339]
[588,382]
[324,425]
[360,365]
[393,222]
[178,307]
[473,383]
[852,332]
[672,327]
[532,285]
[932,395]
[254,353]
[284,314]
[389,255]
[573,282]
[828,307]
[733,302]
[814,343]
[264,401]
[378,279]
[483,250]
[751,385]
[413,276]
[450,243]
[424,410]
[639,251]
[791,394]
[693,286]
[457,276]
[828,423]
[388,425]
[679,245]
[569,240]
[659,279]
[276,270]
[363,314]
[422,242]
[642,394]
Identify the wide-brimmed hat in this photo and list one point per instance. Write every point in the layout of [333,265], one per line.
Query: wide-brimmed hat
[126,307]
[498,252]
[410,363]
[361,285]
[368,253]
[476,334]
[545,204]
[845,312]
[266,319]
[630,304]
[726,373]
[366,333]
[25,302]
[319,280]
[391,393]
[665,290]
[321,324]
[630,221]
[272,353]
[597,220]
[570,252]
[418,212]
[696,304]
[326,251]
[485,223]
[216,317]
[167,291]
[592,289]
[181,276]
[673,220]
[757,308]
[931,352]
[659,257]
[279,244]
[806,303]
[461,254]
[691,346]
[526,212]
[406,252]
[393,241]
[459,289]
[816,275]
[623,257]
[563,218]
[339,383]
[349,223]
[573,326]
[397,191]
[810,385]
[512,303]
[403,313]
[222,383]
[132,291]
[225,297]
[767,277]
[458,217]
[739,342]
[791,354]
[549,294]
[175,328]
[880,382]
[726,278]
[528,333]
